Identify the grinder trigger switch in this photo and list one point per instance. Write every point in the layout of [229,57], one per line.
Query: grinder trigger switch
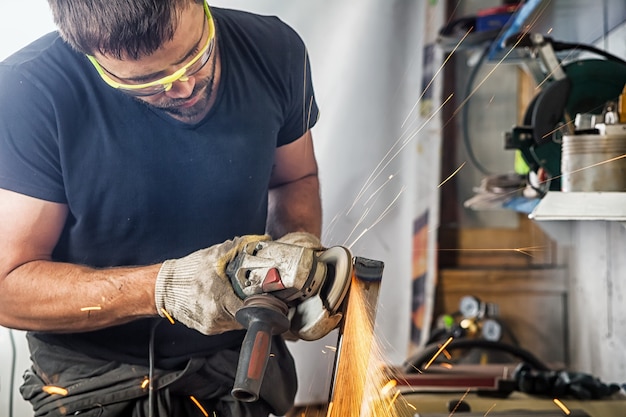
[272,281]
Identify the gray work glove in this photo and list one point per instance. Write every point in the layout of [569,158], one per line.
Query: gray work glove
[304,239]
[196,291]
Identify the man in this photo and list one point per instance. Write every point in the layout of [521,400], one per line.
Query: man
[140,149]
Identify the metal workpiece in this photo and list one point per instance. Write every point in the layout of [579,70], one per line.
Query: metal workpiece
[368,269]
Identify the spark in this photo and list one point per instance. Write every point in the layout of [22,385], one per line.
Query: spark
[452,175]
[53,390]
[388,208]
[379,219]
[446,365]
[389,386]
[569,55]
[561,406]
[392,176]
[568,127]
[94,308]
[595,165]
[441,349]
[524,250]
[145,383]
[496,66]
[358,223]
[460,401]
[393,401]
[489,410]
[558,67]
[167,315]
[389,157]
[199,406]
[436,74]
[330,409]
[360,378]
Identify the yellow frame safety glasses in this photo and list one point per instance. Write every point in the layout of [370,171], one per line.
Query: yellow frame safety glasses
[165,83]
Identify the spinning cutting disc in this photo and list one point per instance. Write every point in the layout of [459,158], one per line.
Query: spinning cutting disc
[318,315]
[338,261]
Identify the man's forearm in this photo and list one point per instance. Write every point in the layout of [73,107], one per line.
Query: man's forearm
[60,297]
[295,206]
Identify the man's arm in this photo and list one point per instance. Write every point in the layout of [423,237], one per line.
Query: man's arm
[294,198]
[38,294]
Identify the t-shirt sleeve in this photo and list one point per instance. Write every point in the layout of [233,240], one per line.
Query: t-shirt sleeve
[302,111]
[29,156]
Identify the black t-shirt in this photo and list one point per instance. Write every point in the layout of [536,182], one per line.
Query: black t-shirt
[142,187]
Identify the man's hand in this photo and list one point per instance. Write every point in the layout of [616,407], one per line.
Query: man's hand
[196,291]
[304,239]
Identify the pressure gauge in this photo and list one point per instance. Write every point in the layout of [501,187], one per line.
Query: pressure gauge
[471,307]
[491,330]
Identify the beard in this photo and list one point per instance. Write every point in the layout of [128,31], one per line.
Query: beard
[177,108]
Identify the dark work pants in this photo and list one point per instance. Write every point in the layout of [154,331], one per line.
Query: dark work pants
[111,389]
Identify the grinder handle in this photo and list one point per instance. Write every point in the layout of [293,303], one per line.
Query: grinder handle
[264,316]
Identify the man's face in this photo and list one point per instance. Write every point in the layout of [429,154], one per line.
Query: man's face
[188,98]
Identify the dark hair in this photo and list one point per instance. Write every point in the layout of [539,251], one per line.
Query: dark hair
[120,28]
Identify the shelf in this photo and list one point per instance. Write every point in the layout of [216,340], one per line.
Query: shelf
[556,205]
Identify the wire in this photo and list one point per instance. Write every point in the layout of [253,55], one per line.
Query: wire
[465,113]
[415,362]
[559,46]
[151,369]
[13,366]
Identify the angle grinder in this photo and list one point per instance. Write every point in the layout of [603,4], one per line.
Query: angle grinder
[284,288]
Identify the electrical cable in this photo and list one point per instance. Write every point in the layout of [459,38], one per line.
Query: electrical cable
[151,368]
[521,14]
[416,361]
[560,46]
[465,113]
[13,366]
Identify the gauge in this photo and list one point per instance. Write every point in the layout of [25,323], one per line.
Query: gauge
[491,330]
[470,307]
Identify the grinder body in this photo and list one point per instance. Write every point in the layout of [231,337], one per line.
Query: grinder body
[285,288]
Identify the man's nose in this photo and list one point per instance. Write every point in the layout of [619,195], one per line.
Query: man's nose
[182,88]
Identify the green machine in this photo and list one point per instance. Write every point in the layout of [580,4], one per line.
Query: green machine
[586,86]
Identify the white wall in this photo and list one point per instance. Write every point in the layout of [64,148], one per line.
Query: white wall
[597,291]
[22,22]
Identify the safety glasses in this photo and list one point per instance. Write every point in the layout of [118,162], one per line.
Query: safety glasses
[165,83]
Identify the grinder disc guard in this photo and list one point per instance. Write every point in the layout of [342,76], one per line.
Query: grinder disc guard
[318,315]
